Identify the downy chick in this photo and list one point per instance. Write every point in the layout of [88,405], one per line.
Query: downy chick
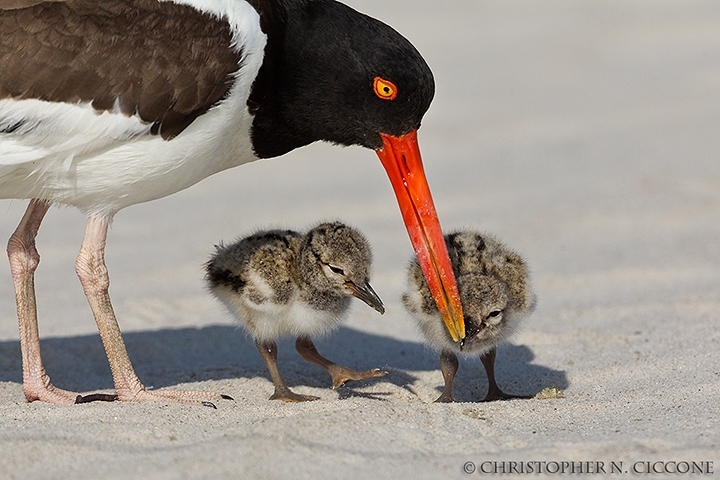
[282,283]
[496,294]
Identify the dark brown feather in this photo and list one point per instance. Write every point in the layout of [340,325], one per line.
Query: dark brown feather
[15,4]
[168,63]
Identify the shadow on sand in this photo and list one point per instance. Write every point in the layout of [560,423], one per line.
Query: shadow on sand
[168,357]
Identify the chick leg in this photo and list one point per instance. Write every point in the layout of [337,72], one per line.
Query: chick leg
[24,260]
[268,352]
[93,275]
[340,375]
[494,392]
[448,367]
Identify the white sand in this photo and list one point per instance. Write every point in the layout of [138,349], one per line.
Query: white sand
[584,134]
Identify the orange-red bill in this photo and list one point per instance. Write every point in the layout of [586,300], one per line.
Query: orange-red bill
[401,158]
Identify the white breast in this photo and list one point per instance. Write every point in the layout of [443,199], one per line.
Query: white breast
[270,321]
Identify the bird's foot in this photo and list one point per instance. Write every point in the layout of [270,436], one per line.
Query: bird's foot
[48,393]
[341,374]
[445,398]
[288,396]
[190,397]
[57,396]
[497,394]
[44,391]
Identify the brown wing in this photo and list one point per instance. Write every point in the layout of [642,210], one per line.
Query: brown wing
[14,4]
[168,63]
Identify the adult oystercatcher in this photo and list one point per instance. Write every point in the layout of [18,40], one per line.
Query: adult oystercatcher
[109,103]
[496,295]
[282,283]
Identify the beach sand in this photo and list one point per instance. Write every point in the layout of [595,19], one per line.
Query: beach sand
[583,134]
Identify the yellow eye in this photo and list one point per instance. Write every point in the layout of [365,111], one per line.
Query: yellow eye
[384,89]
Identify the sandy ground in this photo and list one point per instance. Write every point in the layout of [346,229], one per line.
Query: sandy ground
[583,134]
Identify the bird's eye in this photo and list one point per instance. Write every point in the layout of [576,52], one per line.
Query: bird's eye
[494,313]
[384,89]
[336,270]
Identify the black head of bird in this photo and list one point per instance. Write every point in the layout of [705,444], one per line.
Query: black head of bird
[338,76]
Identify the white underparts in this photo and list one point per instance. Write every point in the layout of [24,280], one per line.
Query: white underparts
[269,320]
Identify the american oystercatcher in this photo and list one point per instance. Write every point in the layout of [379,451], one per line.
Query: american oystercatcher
[496,295]
[105,104]
[282,283]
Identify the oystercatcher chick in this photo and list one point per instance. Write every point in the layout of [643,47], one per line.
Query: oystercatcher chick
[281,283]
[109,104]
[496,295]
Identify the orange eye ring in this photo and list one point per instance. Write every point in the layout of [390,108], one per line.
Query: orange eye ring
[384,89]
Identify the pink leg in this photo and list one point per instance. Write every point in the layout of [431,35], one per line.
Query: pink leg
[24,259]
[93,274]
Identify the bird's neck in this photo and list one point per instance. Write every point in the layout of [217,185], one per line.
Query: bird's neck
[325,300]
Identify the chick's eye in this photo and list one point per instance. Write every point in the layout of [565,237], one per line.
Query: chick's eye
[384,89]
[494,313]
[336,270]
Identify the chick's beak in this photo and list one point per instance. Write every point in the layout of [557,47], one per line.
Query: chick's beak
[366,293]
[401,158]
